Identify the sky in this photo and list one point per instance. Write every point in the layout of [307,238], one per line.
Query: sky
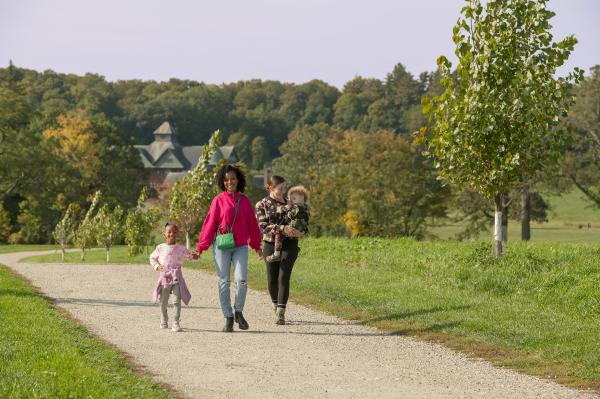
[230,40]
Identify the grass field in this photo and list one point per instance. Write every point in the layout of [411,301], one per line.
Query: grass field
[16,248]
[46,355]
[567,213]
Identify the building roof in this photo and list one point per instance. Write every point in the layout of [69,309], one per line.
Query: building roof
[165,128]
[166,153]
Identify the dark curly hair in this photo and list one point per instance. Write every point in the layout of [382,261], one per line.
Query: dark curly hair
[241,186]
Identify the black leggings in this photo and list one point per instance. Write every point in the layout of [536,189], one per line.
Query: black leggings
[279,273]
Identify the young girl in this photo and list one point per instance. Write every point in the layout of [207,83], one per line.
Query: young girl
[168,259]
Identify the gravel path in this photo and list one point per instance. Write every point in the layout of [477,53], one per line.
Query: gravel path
[315,356]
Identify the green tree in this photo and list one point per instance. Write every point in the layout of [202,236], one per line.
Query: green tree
[140,224]
[241,142]
[5,225]
[581,164]
[390,188]
[352,107]
[305,153]
[499,120]
[65,229]
[85,234]
[192,195]
[108,227]
[30,226]
[260,152]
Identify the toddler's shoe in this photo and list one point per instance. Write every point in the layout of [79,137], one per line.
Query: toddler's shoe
[176,327]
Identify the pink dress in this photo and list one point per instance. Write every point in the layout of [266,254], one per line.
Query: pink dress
[171,257]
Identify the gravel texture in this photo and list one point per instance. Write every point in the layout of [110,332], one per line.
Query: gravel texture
[315,356]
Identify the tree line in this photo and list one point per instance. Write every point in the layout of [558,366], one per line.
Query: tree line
[64,137]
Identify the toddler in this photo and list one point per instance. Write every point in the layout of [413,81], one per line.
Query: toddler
[296,215]
[168,259]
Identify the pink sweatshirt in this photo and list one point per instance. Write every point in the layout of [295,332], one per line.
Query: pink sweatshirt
[171,257]
[220,215]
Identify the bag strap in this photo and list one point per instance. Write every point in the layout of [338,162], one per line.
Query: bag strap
[236,209]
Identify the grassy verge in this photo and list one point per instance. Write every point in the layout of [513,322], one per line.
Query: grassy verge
[536,310]
[4,249]
[118,254]
[45,355]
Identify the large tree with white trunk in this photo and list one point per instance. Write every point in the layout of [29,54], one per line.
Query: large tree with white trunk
[499,119]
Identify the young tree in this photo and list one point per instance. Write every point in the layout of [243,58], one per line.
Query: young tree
[498,119]
[85,236]
[64,230]
[191,196]
[140,224]
[108,226]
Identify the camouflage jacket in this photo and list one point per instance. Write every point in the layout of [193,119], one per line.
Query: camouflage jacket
[272,215]
[297,215]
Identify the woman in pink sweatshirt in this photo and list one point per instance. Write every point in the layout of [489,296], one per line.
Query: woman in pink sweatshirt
[246,233]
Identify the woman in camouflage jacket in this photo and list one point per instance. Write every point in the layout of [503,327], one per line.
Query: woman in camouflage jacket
[271,212]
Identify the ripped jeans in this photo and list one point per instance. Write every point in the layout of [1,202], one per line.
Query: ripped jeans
[223,260]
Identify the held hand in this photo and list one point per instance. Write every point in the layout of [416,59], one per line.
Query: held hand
[261,256]
[160,268]
[195,255]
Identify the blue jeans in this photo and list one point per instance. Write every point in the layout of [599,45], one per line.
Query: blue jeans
[223,259]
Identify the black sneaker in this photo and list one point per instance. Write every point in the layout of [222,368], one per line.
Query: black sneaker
[228,325]
[239,318]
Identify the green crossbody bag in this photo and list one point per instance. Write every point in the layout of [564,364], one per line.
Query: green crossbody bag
[226,241]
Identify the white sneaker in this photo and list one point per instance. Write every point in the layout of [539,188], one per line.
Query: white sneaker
[176,327]
[164,324]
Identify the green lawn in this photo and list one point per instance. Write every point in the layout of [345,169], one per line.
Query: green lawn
[118,254]
[568,220]
[46,355]
[24,247]
[537,309]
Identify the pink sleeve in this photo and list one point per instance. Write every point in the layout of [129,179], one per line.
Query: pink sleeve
[253,229]
[154,259]
[209,227]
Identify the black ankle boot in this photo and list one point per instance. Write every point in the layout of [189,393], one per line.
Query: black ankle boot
[228,324]
[239,318]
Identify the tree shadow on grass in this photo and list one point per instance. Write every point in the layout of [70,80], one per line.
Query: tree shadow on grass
[406,315]
[106,302]
[436,327]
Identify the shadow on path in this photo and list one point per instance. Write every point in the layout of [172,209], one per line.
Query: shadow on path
[106,302]
[314,333]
